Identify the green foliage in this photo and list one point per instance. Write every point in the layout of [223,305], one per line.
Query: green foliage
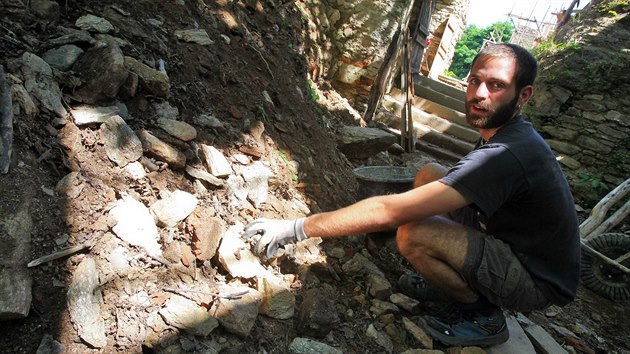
[613,7]
[312,94]
[450,74]
[283,157]
[589,188]
[260,113]
[471,42]
[549,47]
[593,182]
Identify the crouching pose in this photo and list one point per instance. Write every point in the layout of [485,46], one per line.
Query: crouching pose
[497,230]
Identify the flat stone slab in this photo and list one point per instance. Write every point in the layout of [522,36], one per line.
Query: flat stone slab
[359,142]
[543,341]
[518,343]
[15,281]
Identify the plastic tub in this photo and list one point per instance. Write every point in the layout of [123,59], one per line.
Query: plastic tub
[381,180]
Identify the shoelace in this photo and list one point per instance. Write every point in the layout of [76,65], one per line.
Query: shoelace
[451,314]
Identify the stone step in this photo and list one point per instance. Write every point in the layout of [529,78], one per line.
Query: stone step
[445,141]
[431,149]
[437,151]
[428,106]
[428,134]
[432,120]
[438,86]
[445,98]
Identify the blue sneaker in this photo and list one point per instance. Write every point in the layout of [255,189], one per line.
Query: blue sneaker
[418,288]
[456,327]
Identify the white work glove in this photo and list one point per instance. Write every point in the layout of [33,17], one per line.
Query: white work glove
[266,235]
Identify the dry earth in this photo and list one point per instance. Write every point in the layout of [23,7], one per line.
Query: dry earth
[265,53]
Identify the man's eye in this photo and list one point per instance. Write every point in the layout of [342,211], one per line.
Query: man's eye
[473,81]
[498,85]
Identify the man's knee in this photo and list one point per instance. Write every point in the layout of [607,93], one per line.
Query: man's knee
[436,237]
[410,239]
[428,173]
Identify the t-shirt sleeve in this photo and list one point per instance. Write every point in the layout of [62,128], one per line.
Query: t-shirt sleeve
[487,176]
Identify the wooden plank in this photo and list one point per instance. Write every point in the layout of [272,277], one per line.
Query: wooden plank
[386,72]
[438,65]
[419,34]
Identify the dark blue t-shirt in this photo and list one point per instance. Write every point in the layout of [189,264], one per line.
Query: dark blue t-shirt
[518,187]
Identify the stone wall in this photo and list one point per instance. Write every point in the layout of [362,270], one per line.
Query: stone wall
[349,38]
[582,103]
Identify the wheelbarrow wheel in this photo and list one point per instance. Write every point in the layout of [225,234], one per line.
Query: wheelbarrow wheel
[601,277]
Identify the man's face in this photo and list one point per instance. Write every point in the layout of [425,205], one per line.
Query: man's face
[491,96]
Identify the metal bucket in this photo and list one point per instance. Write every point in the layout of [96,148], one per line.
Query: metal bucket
[381,180]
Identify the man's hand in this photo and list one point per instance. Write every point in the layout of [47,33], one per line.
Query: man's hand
[267,235]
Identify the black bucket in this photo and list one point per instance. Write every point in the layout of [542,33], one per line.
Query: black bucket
[381,180]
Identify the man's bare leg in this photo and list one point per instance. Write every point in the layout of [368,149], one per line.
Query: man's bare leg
[429,173]
[436,247]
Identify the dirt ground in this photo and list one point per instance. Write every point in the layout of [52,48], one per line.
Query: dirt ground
[228,81]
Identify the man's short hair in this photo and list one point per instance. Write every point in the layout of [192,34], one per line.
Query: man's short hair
[526,65]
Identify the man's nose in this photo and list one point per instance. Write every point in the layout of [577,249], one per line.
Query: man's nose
[482,90]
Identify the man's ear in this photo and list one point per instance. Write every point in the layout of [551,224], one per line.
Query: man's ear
[525,95]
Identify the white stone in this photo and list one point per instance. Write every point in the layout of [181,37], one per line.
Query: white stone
[256,178]
[236,184]
[174,208]
[119,259]
[236,256]
[216,161]
[350,74]
[188,316]
[203,175]
[241,158]
[135,170]
[86,114]
[135,225]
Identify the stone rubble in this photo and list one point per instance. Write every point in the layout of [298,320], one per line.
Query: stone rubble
[250,288]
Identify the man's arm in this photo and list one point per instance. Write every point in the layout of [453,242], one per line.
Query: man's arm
[368,215]
[386,212]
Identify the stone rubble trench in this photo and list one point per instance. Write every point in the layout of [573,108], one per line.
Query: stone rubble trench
[123,151]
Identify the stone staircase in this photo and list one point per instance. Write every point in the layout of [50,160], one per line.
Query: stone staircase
[438,116]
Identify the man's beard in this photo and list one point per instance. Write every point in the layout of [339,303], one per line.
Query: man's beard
[494,118]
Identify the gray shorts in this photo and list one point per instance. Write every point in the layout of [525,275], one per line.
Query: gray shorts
[493,270]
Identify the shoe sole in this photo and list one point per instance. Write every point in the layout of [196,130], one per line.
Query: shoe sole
[498,338]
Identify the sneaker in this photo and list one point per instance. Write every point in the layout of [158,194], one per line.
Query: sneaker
[457,327]
[418,288]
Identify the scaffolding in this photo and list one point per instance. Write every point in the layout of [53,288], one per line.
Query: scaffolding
[528,31]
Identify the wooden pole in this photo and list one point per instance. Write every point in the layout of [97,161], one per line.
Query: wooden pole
[408,97]
[407,140]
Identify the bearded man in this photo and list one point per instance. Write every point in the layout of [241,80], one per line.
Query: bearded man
[496,231]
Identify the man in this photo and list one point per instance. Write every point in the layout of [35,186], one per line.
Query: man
[498,230]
